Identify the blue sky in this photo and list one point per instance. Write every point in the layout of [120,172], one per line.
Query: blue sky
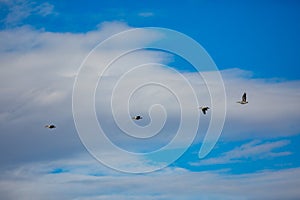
[255,45]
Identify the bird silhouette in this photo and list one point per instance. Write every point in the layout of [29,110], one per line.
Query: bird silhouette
[51,126]
[138,117]
[244,99]
[204,109]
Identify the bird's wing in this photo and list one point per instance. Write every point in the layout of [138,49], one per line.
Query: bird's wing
[244,98]
[204,111]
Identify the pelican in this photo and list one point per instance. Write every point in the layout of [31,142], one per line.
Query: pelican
[204,109]
[138,117]
[244,99]
[51,126]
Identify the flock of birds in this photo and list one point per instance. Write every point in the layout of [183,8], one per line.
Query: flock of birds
[244,101]
[203,108]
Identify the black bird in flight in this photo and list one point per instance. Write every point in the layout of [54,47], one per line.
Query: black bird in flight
[244,99]
[51,126]
[138,117]
[204,109]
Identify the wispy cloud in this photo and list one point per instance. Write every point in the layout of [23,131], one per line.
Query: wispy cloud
[146,14]
[253,150]
[19,10]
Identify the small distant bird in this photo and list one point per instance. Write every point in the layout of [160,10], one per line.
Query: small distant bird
[244,99]
[204,109]
[51,126]
[138,117]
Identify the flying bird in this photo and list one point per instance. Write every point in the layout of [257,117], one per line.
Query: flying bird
[51,126]
[138,117]
[244,99]
[204,109]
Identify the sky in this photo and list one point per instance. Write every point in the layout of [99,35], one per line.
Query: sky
[89,66]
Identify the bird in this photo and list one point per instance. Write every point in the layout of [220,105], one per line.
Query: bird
[244,99]
[138,117]
[51,126]
[204,109]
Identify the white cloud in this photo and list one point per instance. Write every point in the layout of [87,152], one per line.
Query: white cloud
[38,68]
[272,110]
[37,76]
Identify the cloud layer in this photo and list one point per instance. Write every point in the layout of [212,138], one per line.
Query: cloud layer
[39,181]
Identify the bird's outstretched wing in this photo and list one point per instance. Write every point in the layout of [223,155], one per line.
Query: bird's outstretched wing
[244,97]
[204,111]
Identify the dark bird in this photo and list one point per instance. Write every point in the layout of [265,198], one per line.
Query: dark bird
[138,117]
[244,99]
[204,109]
[51,126]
